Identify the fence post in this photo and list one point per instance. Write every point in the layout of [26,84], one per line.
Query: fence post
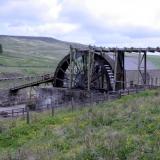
[151,82]
[136,89]
[12,112]
[23,112]
[120,94]
[52,106]
[52,110]
[105,96]
[72,101]
[108,96]
[156,81]
[28,116]
[91,98]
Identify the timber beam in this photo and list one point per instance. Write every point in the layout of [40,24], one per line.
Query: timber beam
[125,49]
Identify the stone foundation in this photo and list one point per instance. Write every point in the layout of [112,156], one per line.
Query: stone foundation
[48,96]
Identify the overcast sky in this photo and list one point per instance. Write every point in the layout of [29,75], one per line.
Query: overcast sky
[100,22]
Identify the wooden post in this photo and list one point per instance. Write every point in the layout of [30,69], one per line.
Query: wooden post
[71,67]
[23,112]
[136,89]
[52,110]
[120,95]
[115,70]
[108,96]
[156,81]
[89,71]
[28,115]
[142,64]
[104,96]
[151,82]
[91,99]
[72,103]
[12,112]
[145,68]
[139,67]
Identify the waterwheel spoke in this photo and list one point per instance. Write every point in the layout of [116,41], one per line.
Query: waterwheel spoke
[80,73]
[76,64]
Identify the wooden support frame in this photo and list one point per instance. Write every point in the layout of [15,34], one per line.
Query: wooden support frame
[102,85]
[122,73]
[71,67]
[115,70]
[142,67]
[90,62]
[89,71]
[119,71]
[117,67]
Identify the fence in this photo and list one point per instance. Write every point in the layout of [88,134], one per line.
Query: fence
[93,98]
[13,112]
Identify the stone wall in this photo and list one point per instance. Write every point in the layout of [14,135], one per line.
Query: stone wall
[48,96]
[7,100]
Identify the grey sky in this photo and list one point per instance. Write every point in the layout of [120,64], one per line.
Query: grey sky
[100,22]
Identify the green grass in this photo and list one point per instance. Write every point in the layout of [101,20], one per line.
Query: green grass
[23,56]
[27,65]
[29,56]
[22,52]
[128,128]
[155,60]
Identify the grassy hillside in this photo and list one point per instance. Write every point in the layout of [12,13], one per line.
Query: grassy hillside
[24,54]
[155,59]
[128,128]
[43,46]
[38,55]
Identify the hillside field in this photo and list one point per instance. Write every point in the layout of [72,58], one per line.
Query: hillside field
[31,55]
[128,128]
[38,55]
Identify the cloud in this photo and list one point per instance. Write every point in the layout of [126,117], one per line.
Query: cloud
[47,29]
[102,22]
[115,21]
[31,11]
